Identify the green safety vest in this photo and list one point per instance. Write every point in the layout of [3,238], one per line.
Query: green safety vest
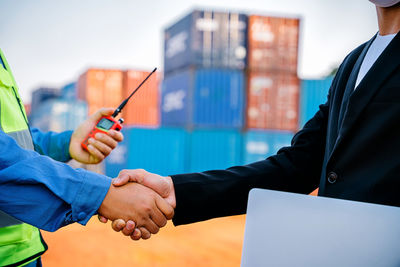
[20,243]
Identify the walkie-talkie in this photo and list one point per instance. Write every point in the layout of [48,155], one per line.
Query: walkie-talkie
[107,123]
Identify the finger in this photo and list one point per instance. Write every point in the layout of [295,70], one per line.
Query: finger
[95,153]
[100,113]
[137,234]
[145,233]
[107,140]
[122,179]
[102,219]
[158,218]
[151,226]
[118,225]
[129,228]
[101,147]
[116,135]
[126,176]
[164,207]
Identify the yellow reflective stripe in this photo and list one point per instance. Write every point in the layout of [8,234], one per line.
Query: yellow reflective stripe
[12,119]
[19,242]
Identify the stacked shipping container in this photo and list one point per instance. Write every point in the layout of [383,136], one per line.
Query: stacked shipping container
[107,88]
[43,94]
[272,82]
[206,39]
[100,88]
[204,59]
[203,90]
[59,115]
[143,109]
[203,98]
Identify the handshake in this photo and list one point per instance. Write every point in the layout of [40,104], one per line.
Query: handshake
[139,203]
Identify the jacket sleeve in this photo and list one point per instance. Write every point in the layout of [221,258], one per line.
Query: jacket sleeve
[45,193]
[210,194]
[54,145]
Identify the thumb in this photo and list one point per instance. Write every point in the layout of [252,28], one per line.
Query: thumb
[100,113]
[123,178]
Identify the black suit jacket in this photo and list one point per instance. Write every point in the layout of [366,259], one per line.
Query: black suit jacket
[356,157]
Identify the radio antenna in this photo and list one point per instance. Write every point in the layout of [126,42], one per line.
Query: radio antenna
[122,105]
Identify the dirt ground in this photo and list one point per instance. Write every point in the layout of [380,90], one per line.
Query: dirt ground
[212,243]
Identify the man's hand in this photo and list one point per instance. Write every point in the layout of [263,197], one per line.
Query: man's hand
[162,185]
[136,203]
[100,147]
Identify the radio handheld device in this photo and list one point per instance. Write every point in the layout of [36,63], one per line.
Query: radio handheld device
[107,123]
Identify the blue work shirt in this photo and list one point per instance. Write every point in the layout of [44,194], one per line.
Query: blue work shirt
[43,191]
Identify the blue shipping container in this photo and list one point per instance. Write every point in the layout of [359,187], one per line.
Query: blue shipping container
[206,39]
[214,149]
[43,94]
[118,159]
[312,94]
[69,91]
[160,151]
[203,98]
[59,115]
[259,145]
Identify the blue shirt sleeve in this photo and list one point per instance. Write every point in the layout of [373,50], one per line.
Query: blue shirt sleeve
[54,145]
[46,193]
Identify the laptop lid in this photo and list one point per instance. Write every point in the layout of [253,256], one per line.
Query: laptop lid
[286,229]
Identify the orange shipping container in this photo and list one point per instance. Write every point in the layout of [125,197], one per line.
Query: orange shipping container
[272,101]
[273,43]
[27,109]
[143,108]
[100,88]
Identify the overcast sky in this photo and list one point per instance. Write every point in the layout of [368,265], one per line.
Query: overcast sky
[50,42]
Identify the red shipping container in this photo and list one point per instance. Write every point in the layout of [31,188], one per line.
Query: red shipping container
[273,43]
[143,108]
[272,101]
[27,109]
[100,88]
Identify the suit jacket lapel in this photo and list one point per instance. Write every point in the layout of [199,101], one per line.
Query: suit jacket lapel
[387,62]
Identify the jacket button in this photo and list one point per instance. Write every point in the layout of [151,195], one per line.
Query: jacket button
[332,177]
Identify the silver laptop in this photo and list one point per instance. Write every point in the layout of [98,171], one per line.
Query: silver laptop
[286,229]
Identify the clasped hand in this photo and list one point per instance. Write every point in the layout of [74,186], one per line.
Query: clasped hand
[139,203]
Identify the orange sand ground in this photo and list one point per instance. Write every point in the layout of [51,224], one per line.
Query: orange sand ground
[212,243]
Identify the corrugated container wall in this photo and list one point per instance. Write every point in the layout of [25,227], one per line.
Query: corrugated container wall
[100,88]
[273,43]
[313,93]
[259,145]
[161,151]
[143,108]
[214,149]
[69,91]
[272,101]
[206,39]
[118,158]
[41,95]
[203,98]
[59,115]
